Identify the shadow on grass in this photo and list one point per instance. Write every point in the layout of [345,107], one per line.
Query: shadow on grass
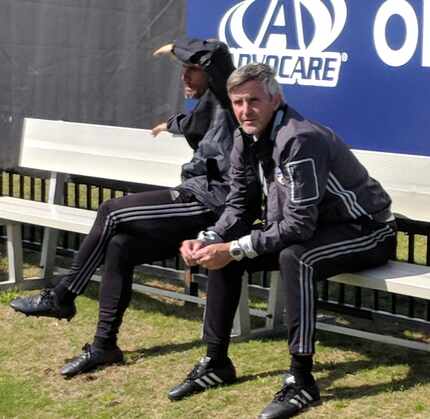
[151,304]
[377,356]
[134,356]
[252,377]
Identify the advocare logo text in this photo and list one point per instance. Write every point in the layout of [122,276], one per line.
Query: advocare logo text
[298,54]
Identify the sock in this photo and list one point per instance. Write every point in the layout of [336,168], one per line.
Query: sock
[301,368]
[63,294]
[104,343]
[217,352]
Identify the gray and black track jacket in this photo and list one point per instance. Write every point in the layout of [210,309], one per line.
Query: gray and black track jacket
[209,127]
[311,177]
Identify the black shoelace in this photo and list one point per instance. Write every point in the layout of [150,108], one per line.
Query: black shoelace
[193,373]
[45,294]
[288,391]
[86,351]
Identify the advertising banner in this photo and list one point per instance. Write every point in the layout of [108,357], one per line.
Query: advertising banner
[361,67]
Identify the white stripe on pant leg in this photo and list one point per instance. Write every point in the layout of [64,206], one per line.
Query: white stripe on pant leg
[367,245]
[354,248]
[202,327]
[372,242]
[306,306]
[167,210]
[151,217]
[77,282]
[120,215]
[311,317]
[160,207]
[307,312]
[307,321]
[358,241]
[302,307]
[94,259]
[97,256]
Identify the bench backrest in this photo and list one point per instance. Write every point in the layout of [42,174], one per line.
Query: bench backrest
[127,154]
[405,177]
[398,171]
[134,155]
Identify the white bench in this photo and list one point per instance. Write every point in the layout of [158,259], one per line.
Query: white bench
[407,179]
[123,154]
[133,155]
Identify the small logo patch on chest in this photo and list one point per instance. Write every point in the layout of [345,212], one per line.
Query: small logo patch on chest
[279,176]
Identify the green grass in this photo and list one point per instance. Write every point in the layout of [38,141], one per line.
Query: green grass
[420,248]
[19,396]
[7,296]
[161,341]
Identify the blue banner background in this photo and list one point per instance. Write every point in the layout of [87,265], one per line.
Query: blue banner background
[374,106]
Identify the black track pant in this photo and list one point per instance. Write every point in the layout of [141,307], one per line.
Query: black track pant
[334,249]
[134,229]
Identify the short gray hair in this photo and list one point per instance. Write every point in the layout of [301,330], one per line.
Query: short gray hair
[255,71]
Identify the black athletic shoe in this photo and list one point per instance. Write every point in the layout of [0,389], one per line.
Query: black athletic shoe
[202,377]
[44,304]
[291,400]
[90,358]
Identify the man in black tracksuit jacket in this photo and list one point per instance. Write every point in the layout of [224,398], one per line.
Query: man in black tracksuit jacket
[323,215]
[148,226]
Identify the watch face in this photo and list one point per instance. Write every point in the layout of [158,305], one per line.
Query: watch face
[236,252]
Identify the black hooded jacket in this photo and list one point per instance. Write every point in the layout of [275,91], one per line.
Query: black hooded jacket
[312,179]
[209,127]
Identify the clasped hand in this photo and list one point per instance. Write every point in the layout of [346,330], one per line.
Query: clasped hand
[212,256]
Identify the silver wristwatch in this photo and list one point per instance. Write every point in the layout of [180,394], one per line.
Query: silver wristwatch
[236,252]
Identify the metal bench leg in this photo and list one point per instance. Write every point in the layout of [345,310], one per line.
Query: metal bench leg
[47,260]
[14,252]
[242,321]
[276,302]
[190,287]
[50,236]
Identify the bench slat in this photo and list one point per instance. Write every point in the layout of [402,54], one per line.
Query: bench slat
[396,277]
[411,205]
[406,179]
[398,171]
[78,220]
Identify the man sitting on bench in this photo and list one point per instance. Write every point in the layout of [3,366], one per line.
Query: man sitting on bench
[323,216]
[149,226]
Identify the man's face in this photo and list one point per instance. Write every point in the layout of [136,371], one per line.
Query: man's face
[195,81]
[253,106]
